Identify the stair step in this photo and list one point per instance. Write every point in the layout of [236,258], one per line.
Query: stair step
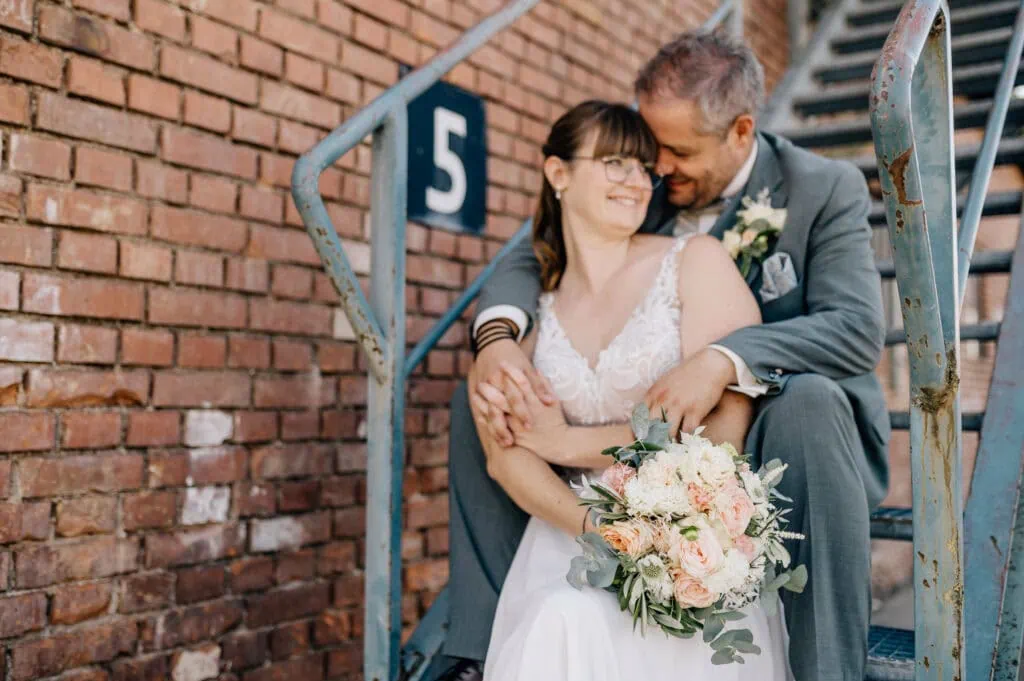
[987,17]
[970,81]
[886,11]
[982,262]
[970,421]
[1001,203]
[985,331]
[972,115]
[893,523]
[968,50]
[1010,151]
[890,654]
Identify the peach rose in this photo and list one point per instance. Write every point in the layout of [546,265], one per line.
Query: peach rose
[700,497]
[746,546]
[616,476]
[749,236]
[699,556]
[734,508]
[632,537]
[690,592]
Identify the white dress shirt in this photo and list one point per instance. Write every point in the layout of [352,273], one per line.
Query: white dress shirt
[747,383]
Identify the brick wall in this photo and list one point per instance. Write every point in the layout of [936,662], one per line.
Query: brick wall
[181,405]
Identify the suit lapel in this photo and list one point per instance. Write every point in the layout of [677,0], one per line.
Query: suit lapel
[765,173]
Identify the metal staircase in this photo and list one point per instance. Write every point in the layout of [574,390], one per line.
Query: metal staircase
[970,629]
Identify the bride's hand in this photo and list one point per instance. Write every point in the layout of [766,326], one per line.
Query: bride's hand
[536,426]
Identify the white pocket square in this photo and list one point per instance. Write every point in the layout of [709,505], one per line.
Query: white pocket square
[778,277]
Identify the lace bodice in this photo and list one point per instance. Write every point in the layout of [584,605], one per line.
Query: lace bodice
[646,347]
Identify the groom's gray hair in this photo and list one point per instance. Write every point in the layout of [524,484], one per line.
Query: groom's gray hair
[721,74]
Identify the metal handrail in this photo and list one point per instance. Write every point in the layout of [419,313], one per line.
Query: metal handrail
[912,99]
[975,202]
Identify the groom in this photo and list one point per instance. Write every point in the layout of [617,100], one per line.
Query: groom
[821,409]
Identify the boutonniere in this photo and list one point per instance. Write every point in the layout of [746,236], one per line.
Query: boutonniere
[757,228]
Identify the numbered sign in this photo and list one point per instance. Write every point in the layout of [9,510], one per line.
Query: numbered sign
[447,159]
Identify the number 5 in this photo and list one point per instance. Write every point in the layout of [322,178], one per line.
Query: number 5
[447,123]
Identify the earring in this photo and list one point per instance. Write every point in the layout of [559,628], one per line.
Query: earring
[558,194]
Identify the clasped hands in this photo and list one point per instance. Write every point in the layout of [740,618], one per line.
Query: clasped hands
[515,405]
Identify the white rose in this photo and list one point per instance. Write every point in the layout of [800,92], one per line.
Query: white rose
[731,574]
[715,465]
[732,243]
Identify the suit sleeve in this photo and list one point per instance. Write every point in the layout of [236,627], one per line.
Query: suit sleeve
[516,281]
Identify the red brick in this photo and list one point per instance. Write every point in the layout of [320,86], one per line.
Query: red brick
[297,36]
[350,522]
[300,425]
[207,112]
[194,546]
[334,15]
[14,104]
[147,347]
[87,344]
[103,169]
[153,428]
[86,515]
[24,521]
[292,282]
[260,426]
[153,97]
[207,74]
[218,40]
[197,623]
[240,13]
[343,86]
[371,33]
[69,388]
[293,318]
[52,563]
[26,245]
[10,285]
[200,584]
[292,356]
[306,8]
[115,9]
[252,353]
[30,61]
[100,38]
[182,307]
[21,614]
[145,261]
[100,473]
[194,228]
[369,64]
[301,495]
[341,490]
[292,103]
[201,351]
[147,591]
[286,461]
[57,652]
[347,591]
[391,12]
[202,151]
[90,430]
[87,252]
[17,15]
[82,297]
[157,181]
[213,193]
[160,18]
[332,628]
[288,603]
[308,391]
[337,557]
[303,72]
[253,126]
[96,80]
[72,604]
[261,56]
[146,510]
[24,432]
[26,341]
[83,208]
[309,667]
[296,138]
[262,204]
[212,465]
[323,289]
[245,274]
[199,269]
[289,640]
[214,389]
[39,156]
[429,575]
[5,488]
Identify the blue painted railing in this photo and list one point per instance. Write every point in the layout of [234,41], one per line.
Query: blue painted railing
[379,327]
[912,125]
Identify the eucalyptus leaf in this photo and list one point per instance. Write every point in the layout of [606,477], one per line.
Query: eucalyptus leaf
[769,603]
[658,434]
[723,656]
[732,615]
[748,648]
[797,579]
[713,626]
[577,575]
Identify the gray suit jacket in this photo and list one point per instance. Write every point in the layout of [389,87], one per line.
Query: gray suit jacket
[830,324]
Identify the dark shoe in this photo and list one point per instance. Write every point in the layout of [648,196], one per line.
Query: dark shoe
[462,670]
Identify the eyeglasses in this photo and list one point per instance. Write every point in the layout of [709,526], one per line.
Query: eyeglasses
[618,169]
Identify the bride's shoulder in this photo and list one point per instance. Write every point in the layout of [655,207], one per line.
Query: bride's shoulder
[703,256]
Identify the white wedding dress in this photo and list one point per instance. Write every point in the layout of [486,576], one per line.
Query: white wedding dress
[546,630]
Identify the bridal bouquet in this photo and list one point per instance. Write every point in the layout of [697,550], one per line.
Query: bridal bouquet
[687,535]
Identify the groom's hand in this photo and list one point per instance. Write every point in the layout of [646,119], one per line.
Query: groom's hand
[691,390]
[487,388]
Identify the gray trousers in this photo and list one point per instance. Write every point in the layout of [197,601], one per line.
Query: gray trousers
[809,426]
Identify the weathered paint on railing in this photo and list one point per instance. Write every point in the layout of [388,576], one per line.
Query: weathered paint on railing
[911,101]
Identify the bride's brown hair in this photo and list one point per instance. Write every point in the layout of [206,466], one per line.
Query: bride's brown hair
[620,132]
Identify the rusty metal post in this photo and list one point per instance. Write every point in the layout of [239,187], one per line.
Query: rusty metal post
[912,126]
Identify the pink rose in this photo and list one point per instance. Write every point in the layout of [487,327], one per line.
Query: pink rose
[746,546]
[690,592]
[616,476]
[699,556]
[734,508]
[700,497]
[633,537]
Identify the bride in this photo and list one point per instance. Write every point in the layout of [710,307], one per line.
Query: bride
[618,310]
